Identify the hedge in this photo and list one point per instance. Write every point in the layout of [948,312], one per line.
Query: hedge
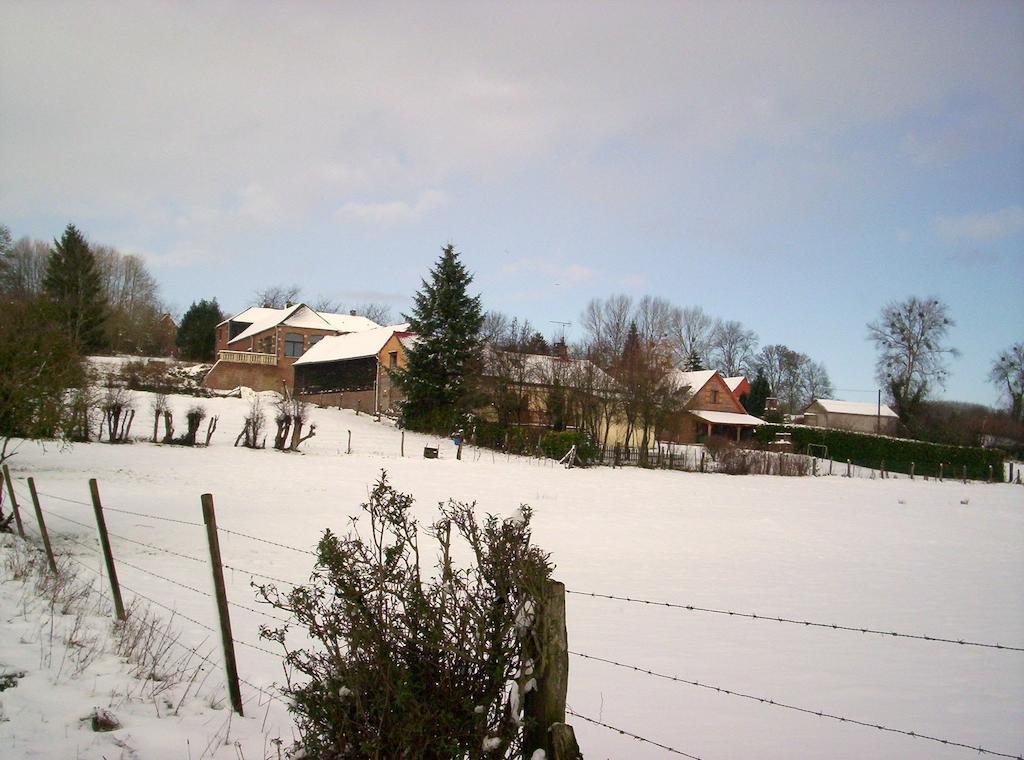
[897,453]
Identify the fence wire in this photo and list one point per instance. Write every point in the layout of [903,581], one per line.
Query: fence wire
[806,711]
[624,732]
[792,621]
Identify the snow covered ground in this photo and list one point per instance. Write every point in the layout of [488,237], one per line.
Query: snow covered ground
[943,559]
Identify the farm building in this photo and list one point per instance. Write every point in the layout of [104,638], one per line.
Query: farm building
[851,415]
[257,347]
[353,371]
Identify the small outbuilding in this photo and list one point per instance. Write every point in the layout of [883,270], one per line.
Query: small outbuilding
[855,416]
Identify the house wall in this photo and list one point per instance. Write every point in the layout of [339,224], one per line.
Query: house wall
[705,400]
[260,377]
[857,423]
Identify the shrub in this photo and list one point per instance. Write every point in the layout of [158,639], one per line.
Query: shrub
[556,444]
[410,666]
[897,453]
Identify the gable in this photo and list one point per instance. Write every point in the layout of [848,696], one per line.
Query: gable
[715,396]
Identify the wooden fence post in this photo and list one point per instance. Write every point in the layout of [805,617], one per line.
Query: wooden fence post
[458,453]
[101,524]
[403,444]
[963,473]
[42,525]
[990,473]
[17,512]
[881,470]
[849,474]
[940,472]
[702,461]
[210,519]
[548,647]
[911,470]
[349,449]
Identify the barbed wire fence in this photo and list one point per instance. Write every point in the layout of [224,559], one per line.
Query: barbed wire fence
[20,494]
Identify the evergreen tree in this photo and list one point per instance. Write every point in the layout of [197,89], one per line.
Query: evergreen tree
[73,286]
[754,402]
[197,334]
[693,362]
[439,380]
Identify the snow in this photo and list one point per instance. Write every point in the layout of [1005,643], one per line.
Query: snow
[350,346]
[694,380]
[301,315]
[834,406]
[734,382]
[890,554]
[726,418]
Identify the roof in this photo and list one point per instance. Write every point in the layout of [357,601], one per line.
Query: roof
[833,406]
[734,382]
[695,380]
[301,316]
[726,418]
[355,345]
[539,368]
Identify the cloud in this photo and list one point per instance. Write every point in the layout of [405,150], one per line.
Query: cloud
[392,212]
[982,227]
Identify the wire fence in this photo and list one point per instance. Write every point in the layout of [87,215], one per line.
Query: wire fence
[92,551]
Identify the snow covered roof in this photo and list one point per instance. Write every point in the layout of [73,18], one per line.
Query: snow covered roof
[695,380]
[298,315]
[355,345]
[726,418]
[734,382]
[834,406]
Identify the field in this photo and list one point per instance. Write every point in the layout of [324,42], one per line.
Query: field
[941,559]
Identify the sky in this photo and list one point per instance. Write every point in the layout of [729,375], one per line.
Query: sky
[793,166]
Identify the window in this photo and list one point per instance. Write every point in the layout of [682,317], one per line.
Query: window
[393,360]
[714,396]
[292,344]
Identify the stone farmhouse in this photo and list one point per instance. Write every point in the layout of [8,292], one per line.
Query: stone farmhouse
[257,347]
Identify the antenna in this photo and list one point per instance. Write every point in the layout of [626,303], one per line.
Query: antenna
[563,324]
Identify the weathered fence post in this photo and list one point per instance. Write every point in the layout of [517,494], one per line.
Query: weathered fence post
[963,473]
[849,473]
[210,519]
[671,456]
[990,473]
[101,525]
[403,444]
[940,472]
[548,647]
[17,512]
[458,452]
[349,449]
[702,461]
[814,466]
[911,470]
[42,525]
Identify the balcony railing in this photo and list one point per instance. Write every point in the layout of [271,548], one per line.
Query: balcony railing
[248,357]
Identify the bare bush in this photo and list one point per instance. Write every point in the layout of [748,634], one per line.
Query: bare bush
[291,418]
[252,435]
[410,666]
[118,410]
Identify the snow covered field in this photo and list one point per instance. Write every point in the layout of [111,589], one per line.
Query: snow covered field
[943,559]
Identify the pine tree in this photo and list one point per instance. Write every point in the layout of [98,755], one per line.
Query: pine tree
[693,362]
[197,334]
[439,380]
[72,284]
[754,402]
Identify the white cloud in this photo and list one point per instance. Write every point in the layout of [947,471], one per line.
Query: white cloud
[392,212]
[982,227]
[549,273]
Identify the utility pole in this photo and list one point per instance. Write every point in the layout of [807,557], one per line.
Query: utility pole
[878,418]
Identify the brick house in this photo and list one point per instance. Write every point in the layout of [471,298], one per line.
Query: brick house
[256,348]
[712,410]
[353,371]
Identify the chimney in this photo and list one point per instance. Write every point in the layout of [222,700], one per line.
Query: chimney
[351,312]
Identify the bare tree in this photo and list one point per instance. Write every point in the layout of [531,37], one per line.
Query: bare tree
[606,323]
[910,337]
[133,298]
[814,382]
[376,312]
[276,296]
[327,304]
[1007,374]
[24,266]
[732,348]
[692,339]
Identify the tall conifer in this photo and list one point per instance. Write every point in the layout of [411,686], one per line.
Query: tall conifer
[439,379]
[72,284]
